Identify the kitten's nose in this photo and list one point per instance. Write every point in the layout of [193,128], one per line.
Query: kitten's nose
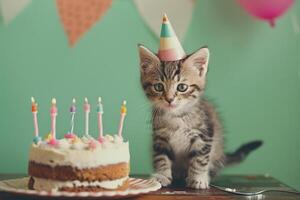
[169,100]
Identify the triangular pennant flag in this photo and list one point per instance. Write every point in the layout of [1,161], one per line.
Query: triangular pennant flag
[78,16]
[179,11]
[170,48]
[11,8]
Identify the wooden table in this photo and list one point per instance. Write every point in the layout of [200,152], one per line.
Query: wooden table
[247,183]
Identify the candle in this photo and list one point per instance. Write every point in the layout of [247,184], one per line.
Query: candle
[71,134]
[123,113]
[53,114]
[100,125]
[87,109]
[34,109]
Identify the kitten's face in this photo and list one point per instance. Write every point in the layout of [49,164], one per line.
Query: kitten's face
[173,85]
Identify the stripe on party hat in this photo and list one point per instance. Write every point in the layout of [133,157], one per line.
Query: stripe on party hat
[165,31]
[170,48]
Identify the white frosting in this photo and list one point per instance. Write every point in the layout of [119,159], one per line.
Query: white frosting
[53,185]
[80,153]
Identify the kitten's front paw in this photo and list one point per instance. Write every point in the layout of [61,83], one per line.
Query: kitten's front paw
[198,182]
[164,181]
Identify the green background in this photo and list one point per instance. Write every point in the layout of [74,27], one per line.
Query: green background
[254,79]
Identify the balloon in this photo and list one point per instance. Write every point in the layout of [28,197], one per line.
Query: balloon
[267,10]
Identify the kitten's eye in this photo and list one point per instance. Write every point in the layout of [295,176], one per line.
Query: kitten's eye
[182,87]
[159,87]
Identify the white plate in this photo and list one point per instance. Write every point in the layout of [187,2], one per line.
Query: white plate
[136,187]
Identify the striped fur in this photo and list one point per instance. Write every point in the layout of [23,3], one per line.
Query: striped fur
[187,138]
[187,134]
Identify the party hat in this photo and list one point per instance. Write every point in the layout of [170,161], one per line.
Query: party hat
[170,48]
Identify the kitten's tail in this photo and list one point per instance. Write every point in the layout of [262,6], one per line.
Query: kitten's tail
[242,152]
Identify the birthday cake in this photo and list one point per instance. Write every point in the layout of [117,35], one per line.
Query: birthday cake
[75,164]
[79,164]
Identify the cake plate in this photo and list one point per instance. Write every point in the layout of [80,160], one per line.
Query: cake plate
[15,188]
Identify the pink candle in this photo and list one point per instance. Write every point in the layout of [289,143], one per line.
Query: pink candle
[34,109]
[123,114]
[100,125]
[87,109]
[53,113]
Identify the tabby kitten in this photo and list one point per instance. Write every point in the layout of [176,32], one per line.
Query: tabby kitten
[187,134]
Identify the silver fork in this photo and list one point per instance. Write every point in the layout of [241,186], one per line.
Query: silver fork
[235,191]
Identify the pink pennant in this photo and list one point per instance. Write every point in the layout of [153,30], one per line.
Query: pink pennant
[78,16]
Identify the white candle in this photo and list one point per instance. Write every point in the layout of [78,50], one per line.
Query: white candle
[100,124]
[71,134]
[72,110]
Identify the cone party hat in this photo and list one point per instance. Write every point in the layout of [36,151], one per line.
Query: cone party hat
[170,48]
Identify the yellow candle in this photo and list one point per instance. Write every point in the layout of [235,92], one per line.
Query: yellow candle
[123,113]
[123,108]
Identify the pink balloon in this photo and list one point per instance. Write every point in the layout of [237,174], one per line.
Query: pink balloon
[267,10]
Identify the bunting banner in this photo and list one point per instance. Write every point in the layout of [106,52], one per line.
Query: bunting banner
[179,12]
[78,16]
[11,8]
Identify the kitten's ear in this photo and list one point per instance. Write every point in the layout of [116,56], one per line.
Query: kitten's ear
[199,60]
[148,60]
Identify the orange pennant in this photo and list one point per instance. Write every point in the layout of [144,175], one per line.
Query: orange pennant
[78,16]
